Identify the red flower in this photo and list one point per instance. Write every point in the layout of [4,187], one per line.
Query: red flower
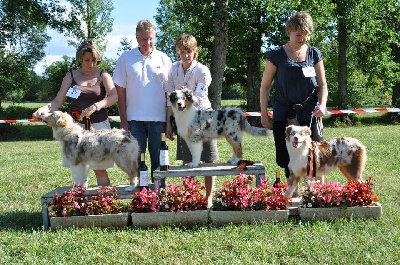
[333,194]
[74,202]
[239,194]
[174,198]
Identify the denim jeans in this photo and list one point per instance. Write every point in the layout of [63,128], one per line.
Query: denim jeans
[148,133]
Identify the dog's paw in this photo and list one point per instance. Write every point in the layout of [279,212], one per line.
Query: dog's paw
[233,161]
[130,188]
[192,164]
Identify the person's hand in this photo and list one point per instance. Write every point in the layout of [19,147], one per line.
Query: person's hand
[266,121]
[38,113]
[168,132]
[87,112]
[125,125]
[319,111]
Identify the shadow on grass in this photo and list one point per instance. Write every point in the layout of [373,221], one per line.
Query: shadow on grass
[21,221]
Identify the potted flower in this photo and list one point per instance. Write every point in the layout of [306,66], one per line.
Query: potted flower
[76,208]
[334,200]
[181,205]
[238,201]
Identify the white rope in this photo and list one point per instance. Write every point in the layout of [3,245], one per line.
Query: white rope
[320,126]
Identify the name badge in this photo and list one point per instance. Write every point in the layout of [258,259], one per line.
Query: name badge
[200,87]
[73,92]
[309,71]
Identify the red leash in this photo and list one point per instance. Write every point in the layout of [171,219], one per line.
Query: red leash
[77,115]
[311,162]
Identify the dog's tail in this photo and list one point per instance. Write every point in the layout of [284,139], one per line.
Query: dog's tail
[255,130]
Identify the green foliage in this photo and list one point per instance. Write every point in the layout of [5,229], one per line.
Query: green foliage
[370,65]
[32,168]
[23,38]
[92,21]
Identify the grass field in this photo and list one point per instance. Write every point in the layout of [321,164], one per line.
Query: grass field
[30,168]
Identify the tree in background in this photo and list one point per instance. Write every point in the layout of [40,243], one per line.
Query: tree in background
[219,50]
[23,38]
[126,45]
[92,20]
[357,38]
[367,33]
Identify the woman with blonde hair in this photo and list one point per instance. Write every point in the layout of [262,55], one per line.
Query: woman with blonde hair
[188,73]
[90,90]
[297,71]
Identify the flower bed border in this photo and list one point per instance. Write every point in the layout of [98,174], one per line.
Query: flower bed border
[155,219]
[331,213]
[106,220]
[241,217]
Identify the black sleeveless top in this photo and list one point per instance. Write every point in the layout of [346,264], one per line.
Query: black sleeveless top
[90,95]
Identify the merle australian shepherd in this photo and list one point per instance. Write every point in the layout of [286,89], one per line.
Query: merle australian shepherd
[346,153]
[196,126]
[82,149]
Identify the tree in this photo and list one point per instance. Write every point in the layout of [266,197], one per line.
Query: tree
[54,74]
[126,45]
[23,37]
[219,50]
[92,20]
[367,36]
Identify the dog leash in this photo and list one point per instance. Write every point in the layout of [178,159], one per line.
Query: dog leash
[77,115]
[320,126]
[311,161]
[242,164]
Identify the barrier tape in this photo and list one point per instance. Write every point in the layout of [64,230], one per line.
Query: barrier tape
[249,114]
[336,112]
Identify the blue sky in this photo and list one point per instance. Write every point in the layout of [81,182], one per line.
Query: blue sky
[126,14]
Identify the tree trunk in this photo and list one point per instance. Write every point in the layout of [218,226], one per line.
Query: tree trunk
[342,60]
[253,64]
[253,82]
[219,51]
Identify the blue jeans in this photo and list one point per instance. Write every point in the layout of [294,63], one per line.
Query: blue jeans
[148,133]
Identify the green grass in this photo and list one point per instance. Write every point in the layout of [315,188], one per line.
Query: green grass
[30,168]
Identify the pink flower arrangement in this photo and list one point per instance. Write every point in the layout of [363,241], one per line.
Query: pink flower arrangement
[174,198]
[145,201]
[333,194]
[240,194]
[74,202]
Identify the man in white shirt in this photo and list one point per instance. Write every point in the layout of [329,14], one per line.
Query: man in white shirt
[139,77]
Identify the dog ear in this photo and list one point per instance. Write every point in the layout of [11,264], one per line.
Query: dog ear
[189,95]
[173,97]
[288,131]
[62,121]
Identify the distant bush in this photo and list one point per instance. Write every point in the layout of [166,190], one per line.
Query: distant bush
[16,112]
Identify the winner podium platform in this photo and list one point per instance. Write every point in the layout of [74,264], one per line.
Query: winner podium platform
[209,169]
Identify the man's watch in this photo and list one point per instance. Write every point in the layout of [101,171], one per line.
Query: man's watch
[97,106]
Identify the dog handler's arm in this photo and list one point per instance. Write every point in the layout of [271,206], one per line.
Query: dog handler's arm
[60,98]
[266,82]
[320,109]
[121,91]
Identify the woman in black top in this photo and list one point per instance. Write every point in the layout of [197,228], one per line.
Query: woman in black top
[91,91]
